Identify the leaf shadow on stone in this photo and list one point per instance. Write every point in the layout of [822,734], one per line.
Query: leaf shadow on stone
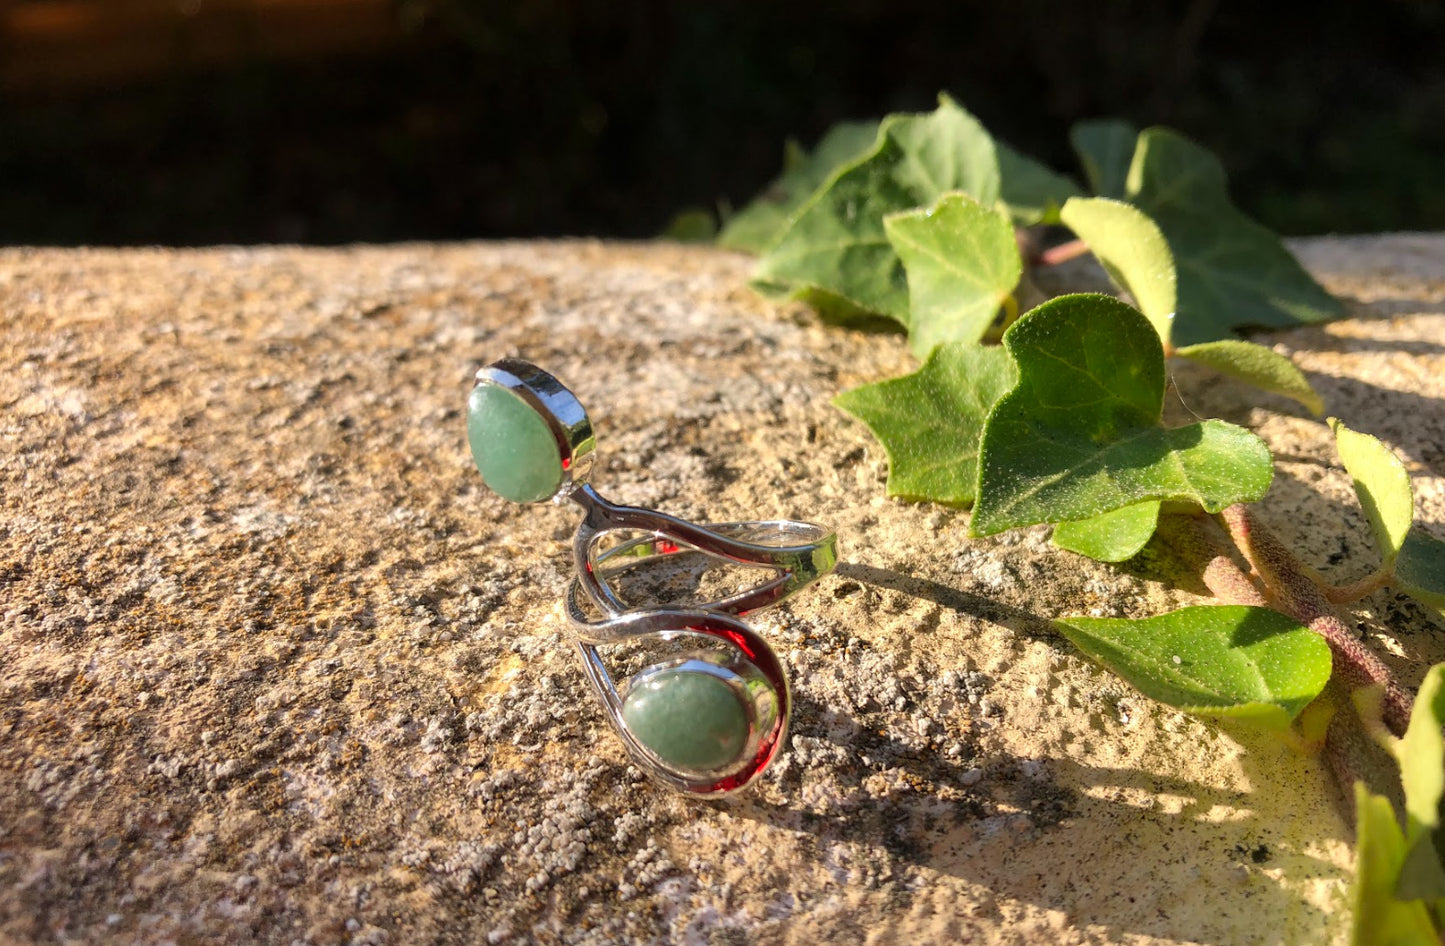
[1384,308]
[1349,553]
[1196,391]
[1028,829]
[1410,424]
[837,311]
[1024,623]
[1046,859]
[1165,562]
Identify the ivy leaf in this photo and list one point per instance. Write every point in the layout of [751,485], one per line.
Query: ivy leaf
[1079,434]
[1421,753]
[1137,257]
[836,241]
[1105,149]
[962,262]
[1257,365]
[1230,661]
[1132,250]
[1420,569]
[1382,485]
[929,421]
[1421,756]
[762,221]
[1381,919]
[1032,192]
[691,225]
[1112,537]
[1231,270]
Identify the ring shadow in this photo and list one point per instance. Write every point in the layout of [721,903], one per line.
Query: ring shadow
[1019,621]
[959,825]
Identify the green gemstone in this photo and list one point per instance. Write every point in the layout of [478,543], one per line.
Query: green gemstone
[513,445]
[690,719]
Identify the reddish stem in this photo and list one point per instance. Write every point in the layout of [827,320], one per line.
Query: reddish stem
[1204,548]
[1347,746]
[1062,253]
[1293,592]
[1344,594]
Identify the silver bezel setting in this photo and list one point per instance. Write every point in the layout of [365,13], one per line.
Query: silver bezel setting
[794,553]
[748,684]
[559,408]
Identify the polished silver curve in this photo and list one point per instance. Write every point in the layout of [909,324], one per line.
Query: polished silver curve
[794,554]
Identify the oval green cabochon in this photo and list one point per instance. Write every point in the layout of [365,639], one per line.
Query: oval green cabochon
[692,721]
[512,445]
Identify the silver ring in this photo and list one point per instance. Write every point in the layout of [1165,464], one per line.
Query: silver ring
[705,721]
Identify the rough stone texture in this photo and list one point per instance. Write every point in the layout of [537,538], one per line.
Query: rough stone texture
[275,667]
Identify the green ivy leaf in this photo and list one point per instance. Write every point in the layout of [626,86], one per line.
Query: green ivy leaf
[1380,918]
[1032,192]
[1114,536]
[1256,365]
[758,225]
[1420,569]
[1132,250]
[1421,756]
[1105,149]
[1079,434]
[691,225]
[1137,257]
[929,421]
[836,241]
[1230,661]
[962,262]
[1231,270]
[1421,753]
[1382,485]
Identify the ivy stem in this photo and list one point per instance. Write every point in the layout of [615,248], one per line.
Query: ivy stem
[1355,590]
[1062,253]
[1292,591]
[1204,548]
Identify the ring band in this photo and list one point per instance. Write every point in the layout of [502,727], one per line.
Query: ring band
[800,552]
[704,722]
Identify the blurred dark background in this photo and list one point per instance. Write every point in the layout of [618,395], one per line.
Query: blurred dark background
[203,121]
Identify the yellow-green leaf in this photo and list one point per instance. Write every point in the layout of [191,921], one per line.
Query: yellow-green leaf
[1381,484]
[1380,918]
[1420,754]
[1132,250]
[962,262]
[1256,365]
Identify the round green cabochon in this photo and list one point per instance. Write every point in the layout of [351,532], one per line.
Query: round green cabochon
[693,721]
[512,445]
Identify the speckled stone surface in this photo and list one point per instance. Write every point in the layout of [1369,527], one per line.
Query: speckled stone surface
[276,667]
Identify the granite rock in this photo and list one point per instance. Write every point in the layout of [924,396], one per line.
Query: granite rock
[276,667]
